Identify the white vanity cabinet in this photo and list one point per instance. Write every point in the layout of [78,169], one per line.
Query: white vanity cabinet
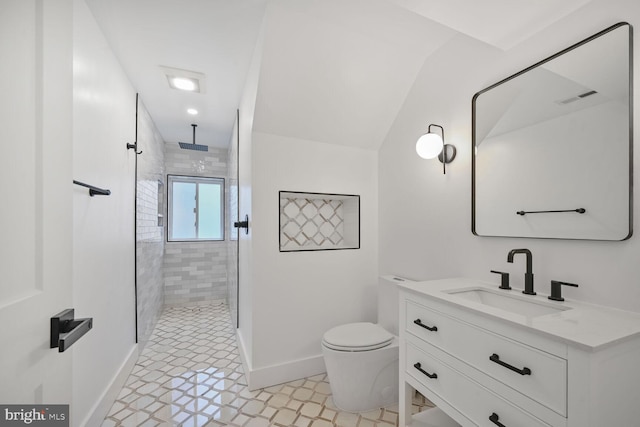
[487,367]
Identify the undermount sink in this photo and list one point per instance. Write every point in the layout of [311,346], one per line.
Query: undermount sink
[518,304]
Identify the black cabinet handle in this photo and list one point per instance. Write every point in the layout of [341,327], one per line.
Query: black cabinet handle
[429,328]
[494,419]
[418,366]
[496,359]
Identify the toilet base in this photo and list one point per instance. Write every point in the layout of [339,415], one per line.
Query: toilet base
[365,380]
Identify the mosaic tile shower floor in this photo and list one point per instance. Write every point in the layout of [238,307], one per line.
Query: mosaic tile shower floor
[190,374]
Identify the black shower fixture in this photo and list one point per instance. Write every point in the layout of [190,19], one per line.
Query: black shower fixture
[193,146]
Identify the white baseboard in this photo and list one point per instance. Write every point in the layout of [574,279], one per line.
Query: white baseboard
[244,357]
[285,372]
[278,374]
[101,408]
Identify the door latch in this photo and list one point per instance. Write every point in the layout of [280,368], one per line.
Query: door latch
[65,330]
[243,224]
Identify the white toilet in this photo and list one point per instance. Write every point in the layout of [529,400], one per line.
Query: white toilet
[362,358]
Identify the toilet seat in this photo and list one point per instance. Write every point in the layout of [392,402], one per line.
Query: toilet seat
[362,336]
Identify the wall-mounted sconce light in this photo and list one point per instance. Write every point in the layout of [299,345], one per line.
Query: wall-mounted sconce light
[431,145]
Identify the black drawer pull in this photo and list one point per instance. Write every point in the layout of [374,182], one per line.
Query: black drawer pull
[418,366]
[495,358]
[494,419]
[429,328]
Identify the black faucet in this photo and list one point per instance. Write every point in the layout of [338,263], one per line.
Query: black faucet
[528,276]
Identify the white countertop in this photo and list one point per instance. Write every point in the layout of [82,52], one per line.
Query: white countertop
[589,326]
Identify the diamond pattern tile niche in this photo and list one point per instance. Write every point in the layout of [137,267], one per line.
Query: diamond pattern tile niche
[318,221]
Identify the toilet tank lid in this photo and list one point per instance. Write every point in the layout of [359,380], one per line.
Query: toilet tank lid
[357,335]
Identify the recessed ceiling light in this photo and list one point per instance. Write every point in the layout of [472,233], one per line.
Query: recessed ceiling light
[186,80]
[192,111]
[184,83]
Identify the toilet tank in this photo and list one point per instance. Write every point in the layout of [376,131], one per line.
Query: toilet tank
[388,304]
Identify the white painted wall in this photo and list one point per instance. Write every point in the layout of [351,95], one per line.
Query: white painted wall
[245,191]
[425,216]
[344,75]
[103,226]
[303,294]
[288,300]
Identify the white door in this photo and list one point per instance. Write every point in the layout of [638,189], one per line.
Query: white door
[35,197]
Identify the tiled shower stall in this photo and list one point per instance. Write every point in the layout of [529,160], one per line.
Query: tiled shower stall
[173,273]
[195,272]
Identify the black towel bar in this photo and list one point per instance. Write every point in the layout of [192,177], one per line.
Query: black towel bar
[93,191]
[579,210]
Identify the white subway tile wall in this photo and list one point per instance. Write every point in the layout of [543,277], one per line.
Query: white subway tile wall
[149,235]
[232,232]
[195,272]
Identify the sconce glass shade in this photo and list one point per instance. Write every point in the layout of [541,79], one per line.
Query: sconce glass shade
[429,145]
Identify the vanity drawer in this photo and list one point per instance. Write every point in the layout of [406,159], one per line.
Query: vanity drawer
[469,397]
[534,373]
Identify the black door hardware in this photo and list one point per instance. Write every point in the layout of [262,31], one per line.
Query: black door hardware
[65,330]
[243,224]
[494,419]
[556,289]
[422,325]
[496,359]
[504,279]
[418,366]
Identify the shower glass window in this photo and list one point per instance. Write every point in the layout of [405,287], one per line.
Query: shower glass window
[195,208]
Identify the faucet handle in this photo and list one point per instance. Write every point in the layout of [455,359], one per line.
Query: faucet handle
[504,279]
[556,289]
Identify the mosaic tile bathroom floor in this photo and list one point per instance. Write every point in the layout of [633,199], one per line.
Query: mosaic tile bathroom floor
[190,374]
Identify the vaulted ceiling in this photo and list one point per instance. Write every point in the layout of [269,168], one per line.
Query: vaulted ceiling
[334,71]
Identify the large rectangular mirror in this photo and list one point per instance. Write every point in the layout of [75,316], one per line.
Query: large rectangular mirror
[552,145]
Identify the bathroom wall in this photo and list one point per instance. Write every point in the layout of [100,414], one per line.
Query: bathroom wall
[195,272]
[150,195]
[232,232]
[289,299]
[303,294]
[425,216]
[245,207]
[103,226]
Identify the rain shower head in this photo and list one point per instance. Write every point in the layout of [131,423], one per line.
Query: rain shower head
[193,146]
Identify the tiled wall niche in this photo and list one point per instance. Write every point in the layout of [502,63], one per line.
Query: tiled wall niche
[318,221]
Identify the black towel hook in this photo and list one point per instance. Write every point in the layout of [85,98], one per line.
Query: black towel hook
[134,146]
